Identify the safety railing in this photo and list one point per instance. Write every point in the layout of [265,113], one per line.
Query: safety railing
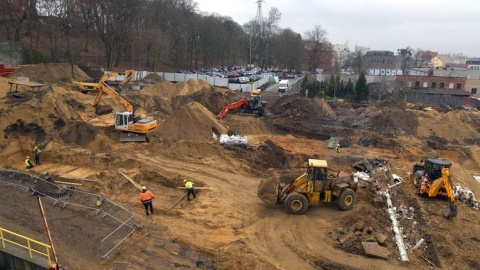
[32,246]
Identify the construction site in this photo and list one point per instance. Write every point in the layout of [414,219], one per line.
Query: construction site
[257,204]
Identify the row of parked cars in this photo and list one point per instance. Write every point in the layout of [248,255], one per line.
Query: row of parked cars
[234,74]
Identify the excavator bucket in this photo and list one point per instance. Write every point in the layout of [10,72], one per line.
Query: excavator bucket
[132,137]
[451,211]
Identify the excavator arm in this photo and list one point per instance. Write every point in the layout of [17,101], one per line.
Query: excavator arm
[129,74]
[445,182]
[105,89]
[232,106]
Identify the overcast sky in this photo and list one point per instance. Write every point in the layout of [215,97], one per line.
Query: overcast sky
[444,26]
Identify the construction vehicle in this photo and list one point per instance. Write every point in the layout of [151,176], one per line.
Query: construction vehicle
[313,187]
[252,106]
[86,87]
[438,182]
[133,129]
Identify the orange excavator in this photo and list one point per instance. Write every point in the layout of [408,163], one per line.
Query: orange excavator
[252,106]
[133,129]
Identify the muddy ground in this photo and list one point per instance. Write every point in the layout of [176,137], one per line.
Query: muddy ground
[227,226]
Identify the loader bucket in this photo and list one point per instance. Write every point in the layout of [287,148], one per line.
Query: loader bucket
[132,137]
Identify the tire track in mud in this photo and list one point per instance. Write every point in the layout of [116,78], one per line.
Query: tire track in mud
[269,237]
[301,242]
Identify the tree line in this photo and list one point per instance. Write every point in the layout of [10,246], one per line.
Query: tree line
[156,33]
[173,34]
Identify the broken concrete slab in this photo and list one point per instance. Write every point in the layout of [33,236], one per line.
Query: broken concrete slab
[381,238]
[372,249]
[346,238]
[335,235]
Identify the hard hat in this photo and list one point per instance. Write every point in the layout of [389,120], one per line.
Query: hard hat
[36,147]
[184,180]
[144,188]
[28,157]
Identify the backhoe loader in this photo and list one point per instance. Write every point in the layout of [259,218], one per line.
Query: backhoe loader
[438,181]
[313,187]
[133,129]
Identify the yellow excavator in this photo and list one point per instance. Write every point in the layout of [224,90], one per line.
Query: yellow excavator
[132,128]
[437,180]
[86,87]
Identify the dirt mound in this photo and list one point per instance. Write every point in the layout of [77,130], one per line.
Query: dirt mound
[154,77]
[52,73]
[301,108]
[168,89]
[79,133]
[392,121]
[454,126]
[191,122]
[213,99]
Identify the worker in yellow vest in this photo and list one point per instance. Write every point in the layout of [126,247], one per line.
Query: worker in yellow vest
[36,153]
[28,163]
[189,186]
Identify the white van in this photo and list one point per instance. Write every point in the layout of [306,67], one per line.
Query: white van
[283,86]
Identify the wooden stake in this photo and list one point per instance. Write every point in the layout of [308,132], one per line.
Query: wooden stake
[177,201]
[68,183]
[130,179]
[198,188]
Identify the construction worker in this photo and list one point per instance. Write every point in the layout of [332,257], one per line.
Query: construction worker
[36,152]
[28,164]
[146,197]
[337,148]
[189,186]
[424,180]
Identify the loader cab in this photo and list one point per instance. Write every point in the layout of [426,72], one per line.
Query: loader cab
[317,170]
[433,167]
[123,120]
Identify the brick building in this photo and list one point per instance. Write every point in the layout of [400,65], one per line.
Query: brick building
[430,82]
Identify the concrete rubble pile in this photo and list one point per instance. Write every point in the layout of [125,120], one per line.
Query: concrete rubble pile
[373,243]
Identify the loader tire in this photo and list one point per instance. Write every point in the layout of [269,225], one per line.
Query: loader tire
[296,203]
[346,200]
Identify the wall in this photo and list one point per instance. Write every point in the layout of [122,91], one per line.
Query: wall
[11,53]
[8,261]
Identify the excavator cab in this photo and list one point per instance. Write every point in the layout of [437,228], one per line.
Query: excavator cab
[124,122]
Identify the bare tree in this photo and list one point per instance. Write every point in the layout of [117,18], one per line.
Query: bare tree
[289,49]
[406,58]
[356,59]
[316,42]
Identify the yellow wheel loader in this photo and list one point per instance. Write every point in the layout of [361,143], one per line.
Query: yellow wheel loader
[432,179]
[313,187]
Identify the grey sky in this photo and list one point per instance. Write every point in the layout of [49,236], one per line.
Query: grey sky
[444,26]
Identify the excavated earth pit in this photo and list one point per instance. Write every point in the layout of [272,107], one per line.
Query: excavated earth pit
[227,226]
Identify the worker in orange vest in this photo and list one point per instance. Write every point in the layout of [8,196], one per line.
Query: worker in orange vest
[146,197]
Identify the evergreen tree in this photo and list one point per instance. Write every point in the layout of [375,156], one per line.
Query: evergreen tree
[331,86]
[349,89]
[361,88]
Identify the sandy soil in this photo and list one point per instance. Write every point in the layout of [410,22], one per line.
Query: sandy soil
[228,226]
